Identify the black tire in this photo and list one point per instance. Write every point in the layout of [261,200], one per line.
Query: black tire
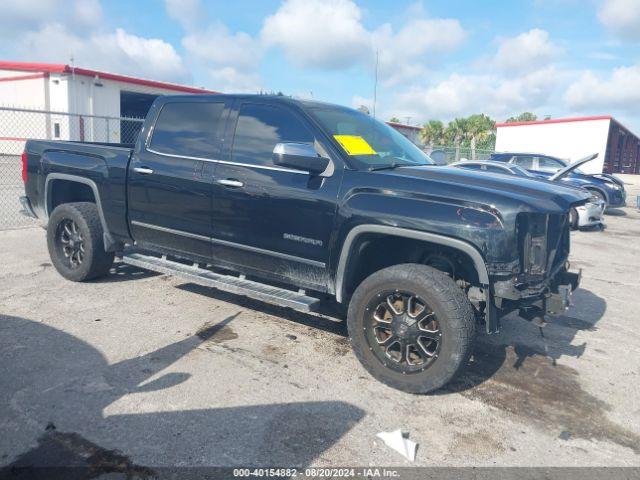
[75,242]
[451,315]
[573,219]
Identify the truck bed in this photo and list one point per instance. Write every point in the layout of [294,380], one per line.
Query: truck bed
[103,165]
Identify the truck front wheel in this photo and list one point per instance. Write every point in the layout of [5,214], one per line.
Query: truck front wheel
[75,242]
[411,327]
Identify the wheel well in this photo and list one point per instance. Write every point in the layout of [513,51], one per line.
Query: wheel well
[68,191]
[373,252]
[599,190]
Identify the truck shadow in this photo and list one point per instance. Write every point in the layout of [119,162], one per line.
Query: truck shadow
[56,392]
[615,212]
[121,272]
[329,318]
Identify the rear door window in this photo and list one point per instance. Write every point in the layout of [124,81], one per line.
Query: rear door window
[260,127]
[494,169]
[190,129]
[473,166]
[547,164]
[524,161]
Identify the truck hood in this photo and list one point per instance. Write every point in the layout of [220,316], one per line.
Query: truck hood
[489,188]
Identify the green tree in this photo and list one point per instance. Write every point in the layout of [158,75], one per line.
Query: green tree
[457,132]
[394,120]
[523,117]
[432,133]
[479,129]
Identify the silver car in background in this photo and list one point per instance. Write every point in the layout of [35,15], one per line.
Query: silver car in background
[590,214]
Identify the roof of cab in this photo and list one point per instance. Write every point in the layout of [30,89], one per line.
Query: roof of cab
[246,96]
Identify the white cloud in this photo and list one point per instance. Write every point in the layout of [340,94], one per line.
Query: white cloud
[21,15]
[116,51]
[358,101]
[330,35]
[88,12]
[621,17]
[188,13]
[461,95]
[26,13]
[405,54]
[231,59]
[319,34]
[528,51]
[232,80]
[217,45]
[620,91]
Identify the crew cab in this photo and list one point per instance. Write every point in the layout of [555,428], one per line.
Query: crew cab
[299,203]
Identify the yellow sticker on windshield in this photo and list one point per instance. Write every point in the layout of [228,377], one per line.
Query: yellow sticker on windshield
[354,145]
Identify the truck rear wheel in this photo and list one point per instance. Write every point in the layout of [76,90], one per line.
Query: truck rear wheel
[411,327]
[74,239]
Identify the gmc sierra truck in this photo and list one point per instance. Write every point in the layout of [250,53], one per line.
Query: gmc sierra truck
[297,202]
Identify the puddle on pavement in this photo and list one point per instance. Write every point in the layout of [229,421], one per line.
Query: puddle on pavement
[216,333]
[525,382]
[60,449]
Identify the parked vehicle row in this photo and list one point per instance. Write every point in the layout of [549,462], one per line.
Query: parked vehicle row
[291,202]
[587,215]
[607,187]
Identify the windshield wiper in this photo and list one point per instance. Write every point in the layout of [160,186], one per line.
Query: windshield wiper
[391,166]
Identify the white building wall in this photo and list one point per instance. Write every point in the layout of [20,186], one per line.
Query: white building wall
[15,126]
[567,140]
[79,95]
[22,93]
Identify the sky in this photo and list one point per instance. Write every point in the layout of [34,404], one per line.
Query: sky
[436,59]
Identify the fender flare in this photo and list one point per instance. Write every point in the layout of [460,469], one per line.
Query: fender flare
[108,239]
[465,247]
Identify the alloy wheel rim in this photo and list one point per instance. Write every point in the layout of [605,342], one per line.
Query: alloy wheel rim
[402,331]
[71,242]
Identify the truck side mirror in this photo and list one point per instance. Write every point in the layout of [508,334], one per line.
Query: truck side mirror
[301,156]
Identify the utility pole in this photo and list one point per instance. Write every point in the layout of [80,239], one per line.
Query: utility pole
[375,86]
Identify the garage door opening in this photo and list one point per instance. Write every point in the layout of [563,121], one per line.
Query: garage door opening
[133,105]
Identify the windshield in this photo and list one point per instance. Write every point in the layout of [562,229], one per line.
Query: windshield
[369,143]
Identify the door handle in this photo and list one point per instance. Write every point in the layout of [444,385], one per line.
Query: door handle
[143,170]
[230,182]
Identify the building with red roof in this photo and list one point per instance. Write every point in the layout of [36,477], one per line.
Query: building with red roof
[617,147]
[66,89]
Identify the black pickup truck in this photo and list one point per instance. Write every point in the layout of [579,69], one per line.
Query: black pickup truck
[293,202]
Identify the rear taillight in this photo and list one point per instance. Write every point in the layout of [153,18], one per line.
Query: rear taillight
[24,167]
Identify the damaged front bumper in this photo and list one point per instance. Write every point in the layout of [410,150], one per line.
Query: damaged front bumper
[535,300]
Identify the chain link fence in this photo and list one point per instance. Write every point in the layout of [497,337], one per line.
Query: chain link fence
[17,125]
[463,153]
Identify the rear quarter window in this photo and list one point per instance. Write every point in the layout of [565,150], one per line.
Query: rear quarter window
[190,129]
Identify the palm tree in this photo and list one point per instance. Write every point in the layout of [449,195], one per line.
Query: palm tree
[432,133]
[523,117]
[479,129]
[456,132]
